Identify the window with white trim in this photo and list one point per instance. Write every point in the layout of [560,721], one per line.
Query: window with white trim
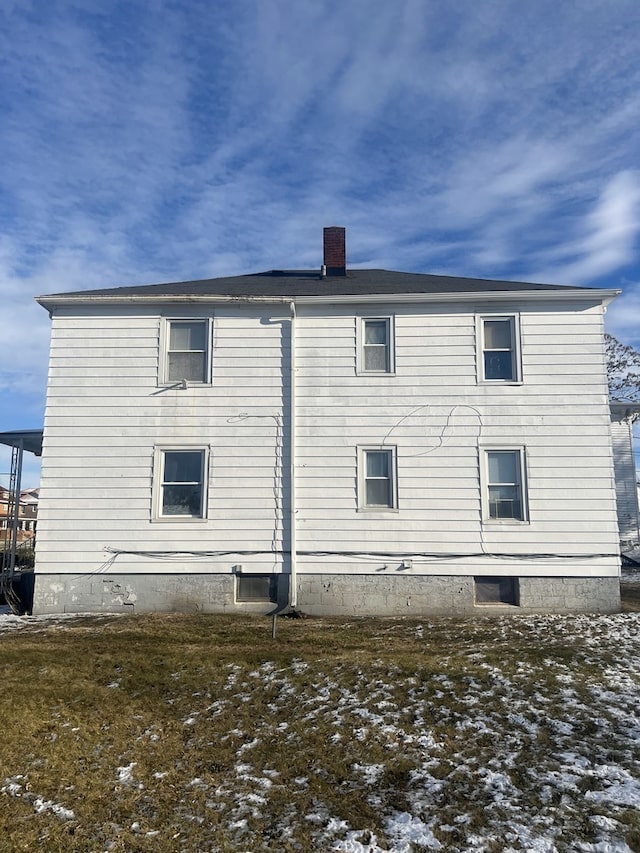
[186,351]
[376,345]
[499,354]
[181,483]
[505,485]
[377,478]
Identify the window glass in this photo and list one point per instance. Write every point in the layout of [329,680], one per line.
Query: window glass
[182,466]
[257,588]
[376,354]
[504,487]
[498,365]
[378,493]
[187,353]
[375,332]
[187,336]
[375,358]
[504,502]
[187,365]
[496,590]
[497,334]
[503,466]
[378,484]
[377,463]
[499,357]
[182,486]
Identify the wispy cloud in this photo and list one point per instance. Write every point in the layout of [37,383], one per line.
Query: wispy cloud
[608,237]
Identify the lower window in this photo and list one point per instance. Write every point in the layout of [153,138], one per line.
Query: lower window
[497,591]
[181,483]
[377,478]
[257,588]
[505,485]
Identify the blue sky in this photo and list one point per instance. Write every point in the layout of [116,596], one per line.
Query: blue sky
[157,140]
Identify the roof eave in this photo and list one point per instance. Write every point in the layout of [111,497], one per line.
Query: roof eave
[604,296]
[599,295]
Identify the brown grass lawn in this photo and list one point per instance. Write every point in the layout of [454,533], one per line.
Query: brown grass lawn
[202,733]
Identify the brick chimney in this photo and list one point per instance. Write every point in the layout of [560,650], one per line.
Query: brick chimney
[335,253]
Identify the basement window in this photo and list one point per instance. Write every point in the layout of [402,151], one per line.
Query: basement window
[257,588]
[497,591]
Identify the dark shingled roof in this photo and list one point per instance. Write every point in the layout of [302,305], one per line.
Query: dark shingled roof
[292,283]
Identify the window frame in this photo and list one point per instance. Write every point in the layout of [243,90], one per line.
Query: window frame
[521,468]
[510,585]
[362,478]
[515,349]
[271,580]
[389,321]
[159,483]
[164,351]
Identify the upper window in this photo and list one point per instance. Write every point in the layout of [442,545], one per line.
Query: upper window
[186,351]
[377,481]
[505,485]
[181,483]
[500,354]
[376,345]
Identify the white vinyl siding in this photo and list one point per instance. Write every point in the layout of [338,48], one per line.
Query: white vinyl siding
[185,351]
[438,415]
[180,483]
[377,478]
[105,414]
[499,356]
[375,345]
[504,494]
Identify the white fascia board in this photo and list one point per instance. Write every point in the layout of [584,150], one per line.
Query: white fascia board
[603,296]
[60,301]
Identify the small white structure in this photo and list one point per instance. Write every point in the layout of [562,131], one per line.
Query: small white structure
[623,415]
[338,441]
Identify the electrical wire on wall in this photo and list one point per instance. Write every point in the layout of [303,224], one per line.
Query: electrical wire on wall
[443,433]
[427,556]
[424,557]
[278,525]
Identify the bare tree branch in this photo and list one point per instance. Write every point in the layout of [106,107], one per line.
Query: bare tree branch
[623,370]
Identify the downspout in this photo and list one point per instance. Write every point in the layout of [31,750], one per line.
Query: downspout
[293,586]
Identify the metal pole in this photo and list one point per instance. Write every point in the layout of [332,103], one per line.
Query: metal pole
[17,477]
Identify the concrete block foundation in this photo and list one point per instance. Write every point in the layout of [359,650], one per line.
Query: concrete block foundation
[320,595]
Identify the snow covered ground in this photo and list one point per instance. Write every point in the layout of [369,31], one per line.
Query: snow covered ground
[497,749]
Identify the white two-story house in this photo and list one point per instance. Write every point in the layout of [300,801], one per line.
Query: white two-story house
[335,441]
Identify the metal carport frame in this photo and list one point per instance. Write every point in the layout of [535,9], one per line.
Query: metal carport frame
[19,441]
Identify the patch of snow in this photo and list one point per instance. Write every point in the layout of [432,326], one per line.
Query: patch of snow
[125,773]
[60,811]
